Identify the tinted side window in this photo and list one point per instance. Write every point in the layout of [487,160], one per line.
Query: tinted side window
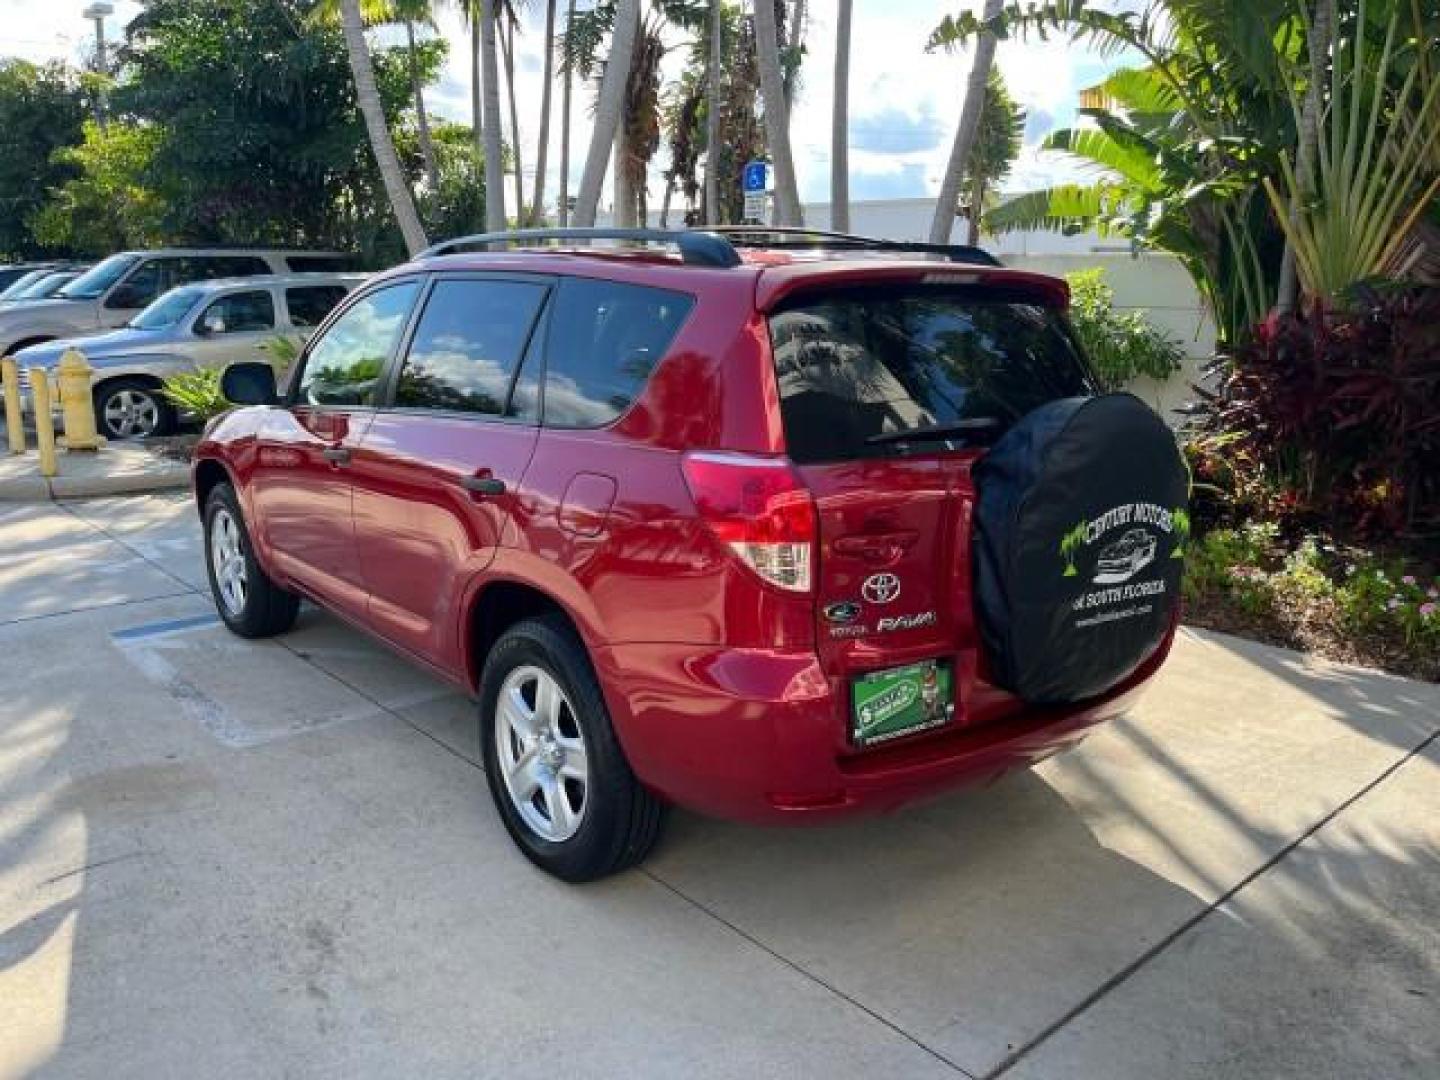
[605,340]
[309,305]
[145,283]
[468,344]
[241,313]
[345,364]
[209,267]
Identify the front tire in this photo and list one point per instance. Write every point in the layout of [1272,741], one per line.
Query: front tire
[250,604]
[556,771]
[132,409]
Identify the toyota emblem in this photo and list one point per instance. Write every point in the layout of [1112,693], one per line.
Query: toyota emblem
[880,588]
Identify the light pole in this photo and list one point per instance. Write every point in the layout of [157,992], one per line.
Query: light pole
[97,12]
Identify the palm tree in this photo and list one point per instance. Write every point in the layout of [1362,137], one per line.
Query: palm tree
[607,110]
[777,116]
[422,118]
[470,9]
[997,144]
[494,150]
[712,117]
[840,124]
[368,99]
[537,208]
[509,21]
[1320,44]
[565,130]
[944,219]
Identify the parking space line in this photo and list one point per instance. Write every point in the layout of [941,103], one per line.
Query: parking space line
[163,627]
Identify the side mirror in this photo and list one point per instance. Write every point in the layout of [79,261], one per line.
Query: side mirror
[249,383]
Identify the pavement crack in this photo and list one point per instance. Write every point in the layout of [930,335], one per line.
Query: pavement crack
[810,976]
[120,541]
[305,658]
[92,866]
[86,609]
[1123,975]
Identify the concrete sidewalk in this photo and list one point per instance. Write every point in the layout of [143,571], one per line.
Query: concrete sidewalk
[121,468]
[226,858]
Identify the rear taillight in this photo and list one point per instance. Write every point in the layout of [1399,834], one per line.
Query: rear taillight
[758,508]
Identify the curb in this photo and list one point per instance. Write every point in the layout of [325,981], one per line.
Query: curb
[41,489]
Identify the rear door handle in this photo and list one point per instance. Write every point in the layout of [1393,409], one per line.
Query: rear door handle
[877,547]
[483,485]
[336,455]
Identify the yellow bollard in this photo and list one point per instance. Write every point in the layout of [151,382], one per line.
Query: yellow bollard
[77,403]
[44,422]
[14,416]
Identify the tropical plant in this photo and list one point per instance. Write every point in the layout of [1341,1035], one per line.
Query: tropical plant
[965,133]
[997,144]
[494,159]
[568,76]
[1179,144]
[840,123]
[197,392]
[1122,345]
[609,104]
[1330,418]
[367,97]
[1374,169]
[776,114]
[107,204]
[542,149]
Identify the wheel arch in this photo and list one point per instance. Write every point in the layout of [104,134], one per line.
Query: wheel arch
[209,474]
[497,605]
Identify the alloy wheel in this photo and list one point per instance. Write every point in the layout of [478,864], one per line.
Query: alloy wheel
[131,414]
[541,752]
[227,560]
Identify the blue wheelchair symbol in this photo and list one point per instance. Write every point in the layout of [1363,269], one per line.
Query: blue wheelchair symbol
[753,178]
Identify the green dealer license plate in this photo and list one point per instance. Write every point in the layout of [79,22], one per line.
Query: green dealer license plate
[887,704]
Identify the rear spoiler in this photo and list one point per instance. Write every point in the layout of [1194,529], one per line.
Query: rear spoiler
[776,283]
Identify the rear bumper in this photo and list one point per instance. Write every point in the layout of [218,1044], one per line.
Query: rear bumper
[759,736]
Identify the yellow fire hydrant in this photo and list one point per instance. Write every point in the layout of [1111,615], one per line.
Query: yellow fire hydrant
[77,402]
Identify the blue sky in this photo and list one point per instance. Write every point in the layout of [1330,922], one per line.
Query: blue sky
[904,103]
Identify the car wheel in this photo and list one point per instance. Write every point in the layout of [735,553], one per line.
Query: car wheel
[250,603]
[131,409]
[556,771]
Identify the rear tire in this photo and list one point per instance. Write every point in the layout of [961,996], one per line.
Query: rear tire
[250,604]
[557,773]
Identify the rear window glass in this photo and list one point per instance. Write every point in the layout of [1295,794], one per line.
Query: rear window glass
[952,367]
[310,304]
[605,340]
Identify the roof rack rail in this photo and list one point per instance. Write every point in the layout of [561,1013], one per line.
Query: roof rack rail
[697,247]
[778,236]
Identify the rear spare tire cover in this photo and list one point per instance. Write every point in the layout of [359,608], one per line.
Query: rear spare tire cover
[1080,531]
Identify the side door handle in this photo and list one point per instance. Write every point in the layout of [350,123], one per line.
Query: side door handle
[487,486]
[336,455]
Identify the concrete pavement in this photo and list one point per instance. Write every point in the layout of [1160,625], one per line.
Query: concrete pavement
[225,858]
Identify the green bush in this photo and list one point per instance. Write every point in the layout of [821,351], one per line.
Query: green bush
[1122,345]
[197,392]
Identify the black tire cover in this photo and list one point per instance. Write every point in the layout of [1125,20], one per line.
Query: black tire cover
[1080,530]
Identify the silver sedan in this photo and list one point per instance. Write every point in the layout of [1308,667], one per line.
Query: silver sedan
[207,324]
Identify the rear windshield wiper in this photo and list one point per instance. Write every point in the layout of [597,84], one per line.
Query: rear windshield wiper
[936,432]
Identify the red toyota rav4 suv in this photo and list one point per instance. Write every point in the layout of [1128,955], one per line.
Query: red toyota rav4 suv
[776,525]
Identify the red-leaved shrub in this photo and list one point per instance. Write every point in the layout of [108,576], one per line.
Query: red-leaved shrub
[1330,419]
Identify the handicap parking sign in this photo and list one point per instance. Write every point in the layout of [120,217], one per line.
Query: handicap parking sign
[754,177]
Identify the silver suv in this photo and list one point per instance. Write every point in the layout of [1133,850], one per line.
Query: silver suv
[116,289]
[208,324]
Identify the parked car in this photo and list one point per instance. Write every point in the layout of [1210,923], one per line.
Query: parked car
[207,324]
[14,279]
[776,535]
[116,289]
[41,285]
[12,272]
